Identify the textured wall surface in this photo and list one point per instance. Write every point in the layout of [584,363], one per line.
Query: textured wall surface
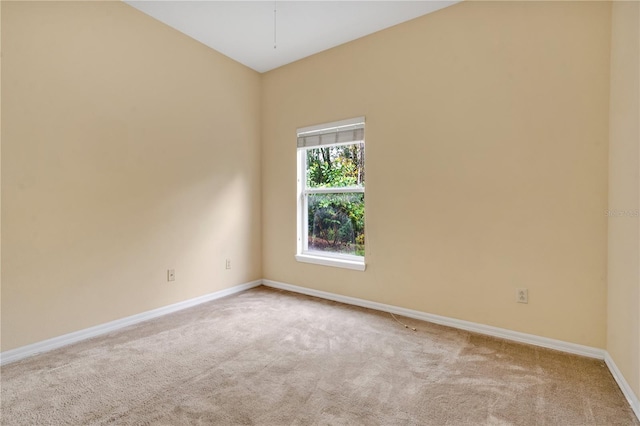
[487,130]
[623,333]
[127,149]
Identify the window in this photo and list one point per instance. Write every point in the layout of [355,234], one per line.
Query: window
[331,182]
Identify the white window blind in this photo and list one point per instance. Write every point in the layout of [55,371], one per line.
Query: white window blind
[347,131]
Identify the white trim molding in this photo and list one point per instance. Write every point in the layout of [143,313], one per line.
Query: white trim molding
[516,336]
[632,398]
[503,333]
[573,348]
[332,125]
[17,354]
[331,261]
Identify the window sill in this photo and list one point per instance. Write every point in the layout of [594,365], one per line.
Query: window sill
[328,261]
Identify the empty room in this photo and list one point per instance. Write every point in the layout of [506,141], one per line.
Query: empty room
[320,212]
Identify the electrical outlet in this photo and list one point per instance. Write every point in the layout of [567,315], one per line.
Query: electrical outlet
[171,274]
[522,295]
[227,264]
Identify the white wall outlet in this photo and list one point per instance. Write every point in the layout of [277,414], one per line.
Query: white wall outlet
[227,264]
[171,274]
[522,295]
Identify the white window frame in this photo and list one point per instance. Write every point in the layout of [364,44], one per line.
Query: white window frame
[303,254]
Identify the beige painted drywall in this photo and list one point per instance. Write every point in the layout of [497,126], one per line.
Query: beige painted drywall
[0,176]
[487,130]
[623,332]
[127,148]
[502,108]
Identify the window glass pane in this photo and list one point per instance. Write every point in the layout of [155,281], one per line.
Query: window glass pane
[335,166]
[336,223]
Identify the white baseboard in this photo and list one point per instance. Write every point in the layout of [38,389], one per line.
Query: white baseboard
[67,339]
[516,336]
[503,333]
[632,398]
[573,348]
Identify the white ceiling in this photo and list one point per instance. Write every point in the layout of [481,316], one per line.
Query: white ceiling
[244,30]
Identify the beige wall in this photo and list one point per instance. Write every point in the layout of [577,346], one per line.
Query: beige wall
[127,149]
[0,178]
[623,333]
[487,129]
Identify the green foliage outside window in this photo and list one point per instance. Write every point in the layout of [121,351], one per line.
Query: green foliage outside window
[336,221]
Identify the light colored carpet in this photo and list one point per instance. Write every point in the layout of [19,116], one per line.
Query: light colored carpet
[276,358]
